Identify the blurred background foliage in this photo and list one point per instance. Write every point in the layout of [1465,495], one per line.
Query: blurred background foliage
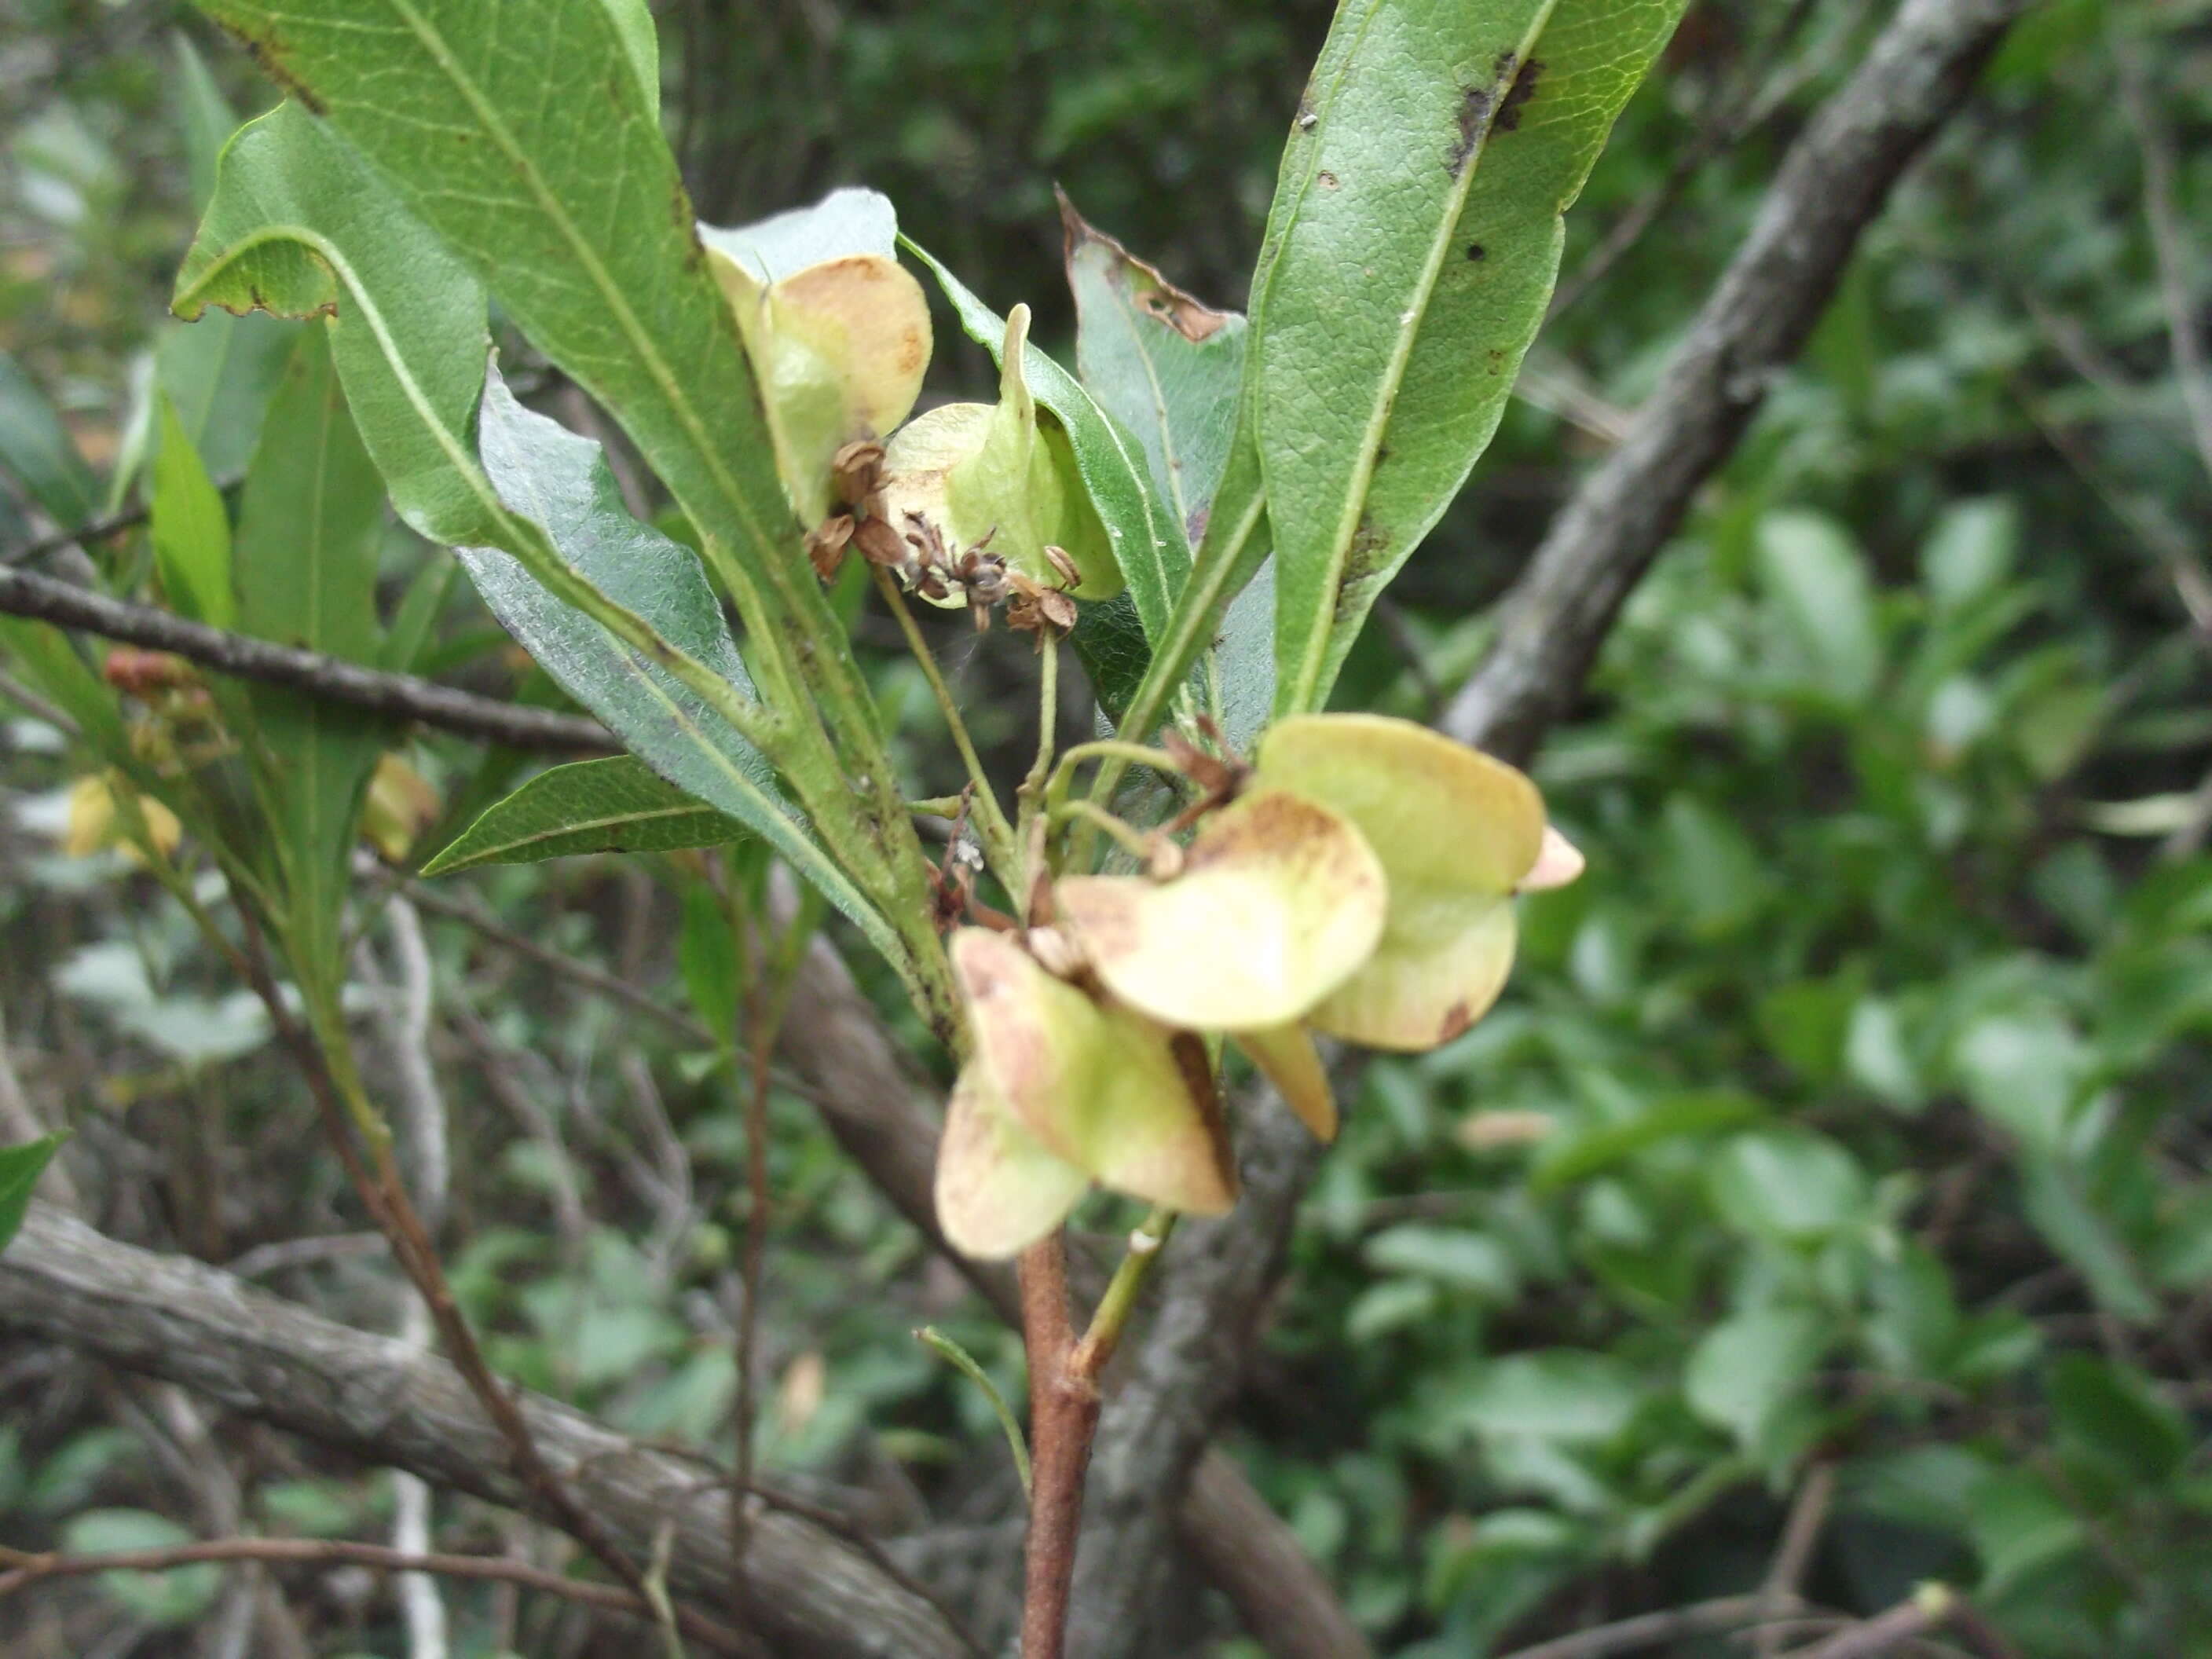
[1842,1144]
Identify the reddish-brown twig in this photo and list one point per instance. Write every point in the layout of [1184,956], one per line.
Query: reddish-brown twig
[1063,1418]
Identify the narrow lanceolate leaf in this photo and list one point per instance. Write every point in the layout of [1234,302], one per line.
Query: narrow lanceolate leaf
[190,528]
[1223,571]
[37,450]
[615,805]
[206,117]
[1171,370]
[20,1166]
[299,226]
[1411,251]
[521,134]
[310,526]
[1165,366]
[560,481]
[1148,540]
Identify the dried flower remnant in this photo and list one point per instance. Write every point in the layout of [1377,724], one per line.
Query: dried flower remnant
[1001,473]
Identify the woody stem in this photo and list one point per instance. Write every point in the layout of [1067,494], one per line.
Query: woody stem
[1063,1418]
[1064,1402]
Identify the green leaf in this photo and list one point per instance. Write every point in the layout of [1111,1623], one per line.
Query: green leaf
[1411,251]
[206,117]
[1166,366]
[1223,572]
[416,616]
[706,960]
[1560,1394]
[221,373]
[1816,580]
[1171,371]
[37,450]
[633,21]
[1465,1260]
[2111,1412]
[310,528]
[20,1166]
[301,228]
[50,659]
[540,159]
[1570,1159]
[300,225]
[2018,1524]
[559,481]
[1149,543]
[1971,551]
[1787,1183]
[1745,1371]
[190,529]
[615,805]
[2025,1071]
[2051,1196]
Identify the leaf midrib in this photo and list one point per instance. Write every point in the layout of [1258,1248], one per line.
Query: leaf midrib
[609,292]
[1319,638]
[586,826]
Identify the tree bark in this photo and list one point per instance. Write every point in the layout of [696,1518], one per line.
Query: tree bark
[255,1354]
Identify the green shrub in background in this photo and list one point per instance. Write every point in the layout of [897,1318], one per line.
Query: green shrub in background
[1846,1117]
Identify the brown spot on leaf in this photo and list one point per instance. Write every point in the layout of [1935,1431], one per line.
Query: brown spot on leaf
[1523,89]
[1476,253]
[1153,294]
[268,54]
[1329,180]
[1456,1019]
[1473,114]
[1362,559]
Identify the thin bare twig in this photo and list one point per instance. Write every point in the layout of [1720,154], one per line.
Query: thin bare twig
[1800,1532]
[455,908]
[25,1570]
[404,1016]
[385,1198]
[401,696]
[1932,1607]
[1648,1629]
[98,530]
